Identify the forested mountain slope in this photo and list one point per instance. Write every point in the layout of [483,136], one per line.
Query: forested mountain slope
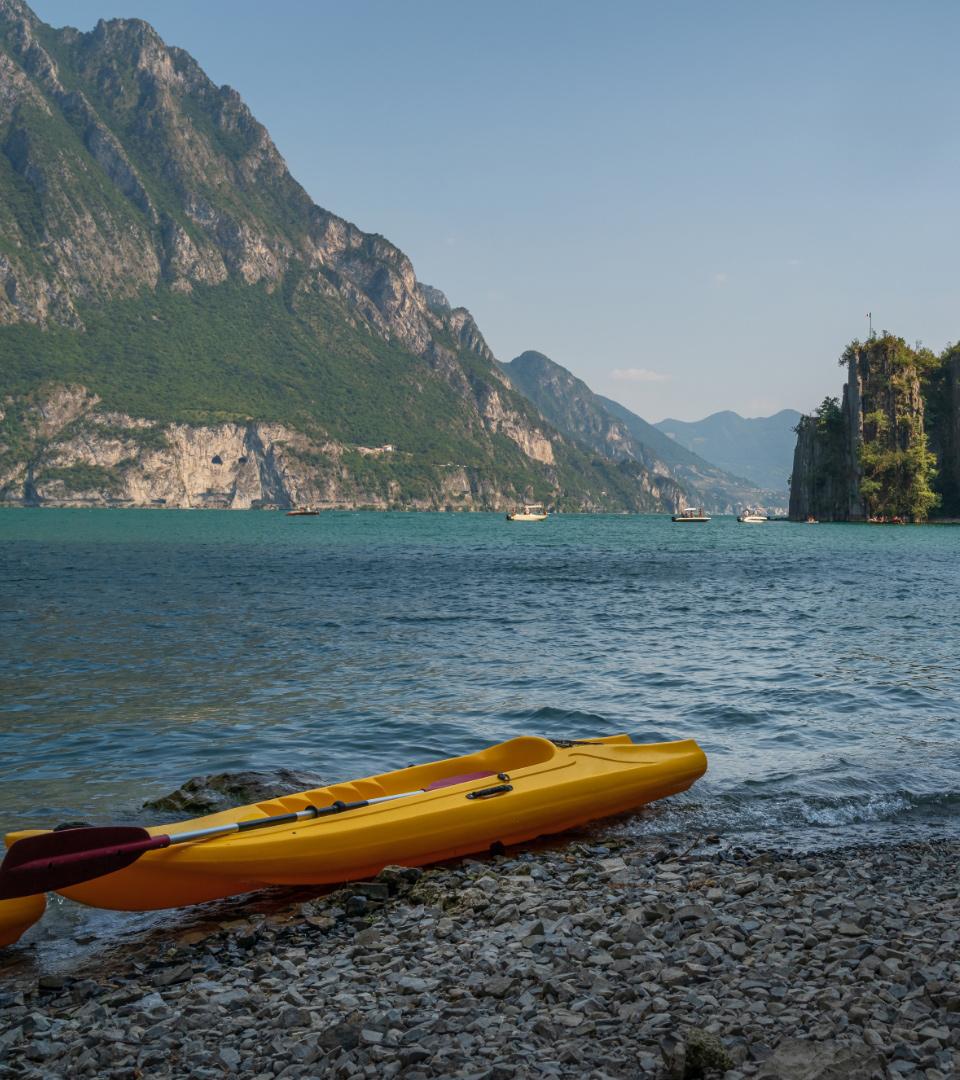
[180,324]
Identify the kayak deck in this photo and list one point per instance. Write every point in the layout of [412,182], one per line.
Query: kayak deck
[550,788]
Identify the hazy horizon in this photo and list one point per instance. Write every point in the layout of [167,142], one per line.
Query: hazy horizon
[690,207]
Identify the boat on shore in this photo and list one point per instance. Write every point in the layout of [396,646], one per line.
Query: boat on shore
[512,792]
[303,511]
[751,517]
[692,513]
[529,512]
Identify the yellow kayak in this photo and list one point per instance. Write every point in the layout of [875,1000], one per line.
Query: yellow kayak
[508,793]
[17,916]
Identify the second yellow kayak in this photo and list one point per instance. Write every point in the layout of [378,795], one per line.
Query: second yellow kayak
[17,916]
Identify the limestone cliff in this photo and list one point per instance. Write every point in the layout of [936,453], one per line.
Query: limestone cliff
[82,455]
[71,451]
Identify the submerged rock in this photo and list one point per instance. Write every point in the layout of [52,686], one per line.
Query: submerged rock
[221,791]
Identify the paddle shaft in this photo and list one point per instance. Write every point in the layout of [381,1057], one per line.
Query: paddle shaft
[45,869]
[279,819]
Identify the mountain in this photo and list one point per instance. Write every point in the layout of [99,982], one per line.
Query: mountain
[759,449]
[181,325]
[612,430]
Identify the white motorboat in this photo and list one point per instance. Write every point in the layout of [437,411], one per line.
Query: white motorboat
[752,517]
[529,512]
[692,513]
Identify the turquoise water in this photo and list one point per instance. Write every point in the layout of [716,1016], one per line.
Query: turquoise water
[817,666]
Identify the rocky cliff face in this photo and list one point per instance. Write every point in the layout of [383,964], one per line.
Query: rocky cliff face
[134,191]
[137,171]
[867,455]
[823,472]
[681,477]
[82,455]
[826,477]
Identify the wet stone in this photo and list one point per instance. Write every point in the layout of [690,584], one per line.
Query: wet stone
[356,905]
[616,960]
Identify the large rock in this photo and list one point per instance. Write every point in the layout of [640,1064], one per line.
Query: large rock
[221,791]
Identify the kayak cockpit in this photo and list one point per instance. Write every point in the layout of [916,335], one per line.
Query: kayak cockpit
[520,753]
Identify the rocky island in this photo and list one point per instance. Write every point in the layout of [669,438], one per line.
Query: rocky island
[890,449]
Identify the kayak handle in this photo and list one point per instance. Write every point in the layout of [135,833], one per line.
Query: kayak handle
[485,793]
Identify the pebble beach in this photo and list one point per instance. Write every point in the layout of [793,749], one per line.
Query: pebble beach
[599,957]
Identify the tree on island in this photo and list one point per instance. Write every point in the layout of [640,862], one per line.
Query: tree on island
[897,466]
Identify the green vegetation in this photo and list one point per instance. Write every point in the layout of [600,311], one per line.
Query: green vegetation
[832,456]
[145,438]
[898,469]
[941,395]
[233,352]
[896,482]
[81,478]
[829,417]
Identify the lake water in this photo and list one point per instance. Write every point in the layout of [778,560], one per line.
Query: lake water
[819,667]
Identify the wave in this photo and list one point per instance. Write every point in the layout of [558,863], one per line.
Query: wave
[776,819]
[576,721]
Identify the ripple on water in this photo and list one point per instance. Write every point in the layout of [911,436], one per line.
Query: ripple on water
[144,648]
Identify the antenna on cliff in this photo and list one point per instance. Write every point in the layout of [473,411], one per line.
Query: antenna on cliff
[870,317]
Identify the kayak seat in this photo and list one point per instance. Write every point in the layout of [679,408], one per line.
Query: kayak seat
[449,781]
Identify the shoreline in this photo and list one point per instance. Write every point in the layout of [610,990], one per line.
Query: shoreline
[602,956]
[344,508]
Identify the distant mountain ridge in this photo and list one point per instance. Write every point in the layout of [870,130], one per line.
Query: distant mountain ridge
[181,325]
[759,449]
[613,430]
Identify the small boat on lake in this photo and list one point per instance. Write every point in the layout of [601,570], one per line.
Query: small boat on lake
[303,511]
[529,512]
[751,517]
[692,513]
[509,793]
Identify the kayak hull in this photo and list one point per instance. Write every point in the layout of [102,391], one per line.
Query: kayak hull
[552,788]
[17,916]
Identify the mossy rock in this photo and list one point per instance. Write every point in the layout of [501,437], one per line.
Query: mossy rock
[705,1054]
[696,1056]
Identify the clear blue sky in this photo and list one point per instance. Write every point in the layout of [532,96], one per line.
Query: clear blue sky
[690,205]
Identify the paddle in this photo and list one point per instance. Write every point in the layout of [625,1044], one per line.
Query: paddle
[56,860]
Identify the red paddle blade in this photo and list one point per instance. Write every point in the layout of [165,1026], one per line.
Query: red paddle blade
[56,860]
